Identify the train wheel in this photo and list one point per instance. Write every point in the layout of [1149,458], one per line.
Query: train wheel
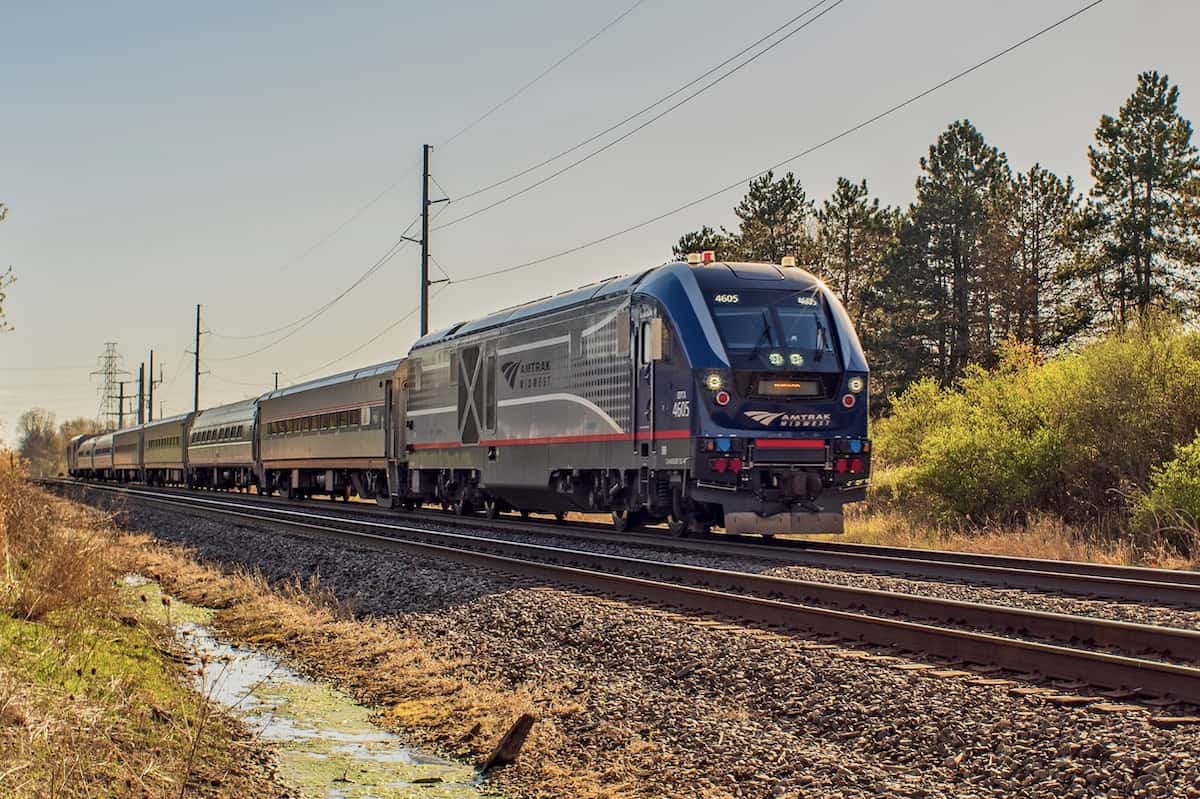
[524,515]
[491,508]
[625,521]
[560,517]
[462,507]
[680,528]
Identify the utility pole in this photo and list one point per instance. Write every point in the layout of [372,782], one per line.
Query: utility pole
[153,383]
[141,414]
[196,378]
[120,398]
[277,381]
[424,240]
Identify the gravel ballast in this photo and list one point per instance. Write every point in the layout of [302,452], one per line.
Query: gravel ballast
[1141,613]
[724,711]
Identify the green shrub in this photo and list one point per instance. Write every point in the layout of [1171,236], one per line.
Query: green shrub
[1064,435]
[1171,508]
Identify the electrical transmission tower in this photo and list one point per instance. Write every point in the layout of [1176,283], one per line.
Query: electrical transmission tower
[109,369]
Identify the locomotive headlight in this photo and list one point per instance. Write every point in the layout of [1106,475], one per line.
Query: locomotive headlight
[713,382]
[796,359]
[775,358]
[855,384]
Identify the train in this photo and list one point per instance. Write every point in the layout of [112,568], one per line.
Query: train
[701,394]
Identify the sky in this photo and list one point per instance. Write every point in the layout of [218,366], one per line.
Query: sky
[258,158]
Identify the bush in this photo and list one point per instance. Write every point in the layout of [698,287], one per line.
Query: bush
[1067,435]
[1171,509]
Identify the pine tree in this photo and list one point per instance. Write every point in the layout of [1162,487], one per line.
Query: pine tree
[1048,306]
[723,243]
[774,216]
[854,238]
[962,178]
[1145,202]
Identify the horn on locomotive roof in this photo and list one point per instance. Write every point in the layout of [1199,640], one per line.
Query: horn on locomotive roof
[788,260]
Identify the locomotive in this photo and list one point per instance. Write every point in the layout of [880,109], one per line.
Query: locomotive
[698,393]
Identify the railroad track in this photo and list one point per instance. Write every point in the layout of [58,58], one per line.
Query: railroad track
[1051,645]
[1104,581]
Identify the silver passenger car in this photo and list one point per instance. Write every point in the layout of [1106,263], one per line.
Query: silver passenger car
[164,450]
[85,446]
[222,447]
[328,436]
[75,448]
[127,454]
[102,456]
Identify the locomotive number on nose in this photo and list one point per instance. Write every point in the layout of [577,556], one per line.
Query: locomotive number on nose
[726,298]
[681,409]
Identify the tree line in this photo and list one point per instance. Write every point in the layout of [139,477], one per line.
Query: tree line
[43,441]
[985,255]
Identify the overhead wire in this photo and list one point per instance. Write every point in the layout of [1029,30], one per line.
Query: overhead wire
[579,161]
[543,73]
[373,338]
[739,183]
[375,267]
[496,184]
[366,206]
[303,320]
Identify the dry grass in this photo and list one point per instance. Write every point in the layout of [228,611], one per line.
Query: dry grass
[1041,537]
[437,698]
[93,701]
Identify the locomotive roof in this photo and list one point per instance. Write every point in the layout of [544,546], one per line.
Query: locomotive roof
[342,377]
[708,276]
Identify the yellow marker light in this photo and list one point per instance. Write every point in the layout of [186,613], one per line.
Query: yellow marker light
[714,382]
[693,258]
[776,358]
[797,359]
[855,384]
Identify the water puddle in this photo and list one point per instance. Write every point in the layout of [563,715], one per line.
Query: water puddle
[328,746]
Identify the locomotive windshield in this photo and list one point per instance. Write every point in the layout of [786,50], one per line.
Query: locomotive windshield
[763,326]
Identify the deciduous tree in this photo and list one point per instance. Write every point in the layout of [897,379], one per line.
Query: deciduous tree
[39,441]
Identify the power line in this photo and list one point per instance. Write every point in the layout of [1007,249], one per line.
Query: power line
[577,162]
[321,242]
[639,112]
[306,321]
[311,315]
[543,73]
[372,339]
[412,170]
[222,379]
[785,162]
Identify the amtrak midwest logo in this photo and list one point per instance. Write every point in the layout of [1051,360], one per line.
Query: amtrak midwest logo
[768,418]
[526,374]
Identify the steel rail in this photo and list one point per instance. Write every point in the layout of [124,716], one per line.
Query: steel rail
[717,591]
[1124,583]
